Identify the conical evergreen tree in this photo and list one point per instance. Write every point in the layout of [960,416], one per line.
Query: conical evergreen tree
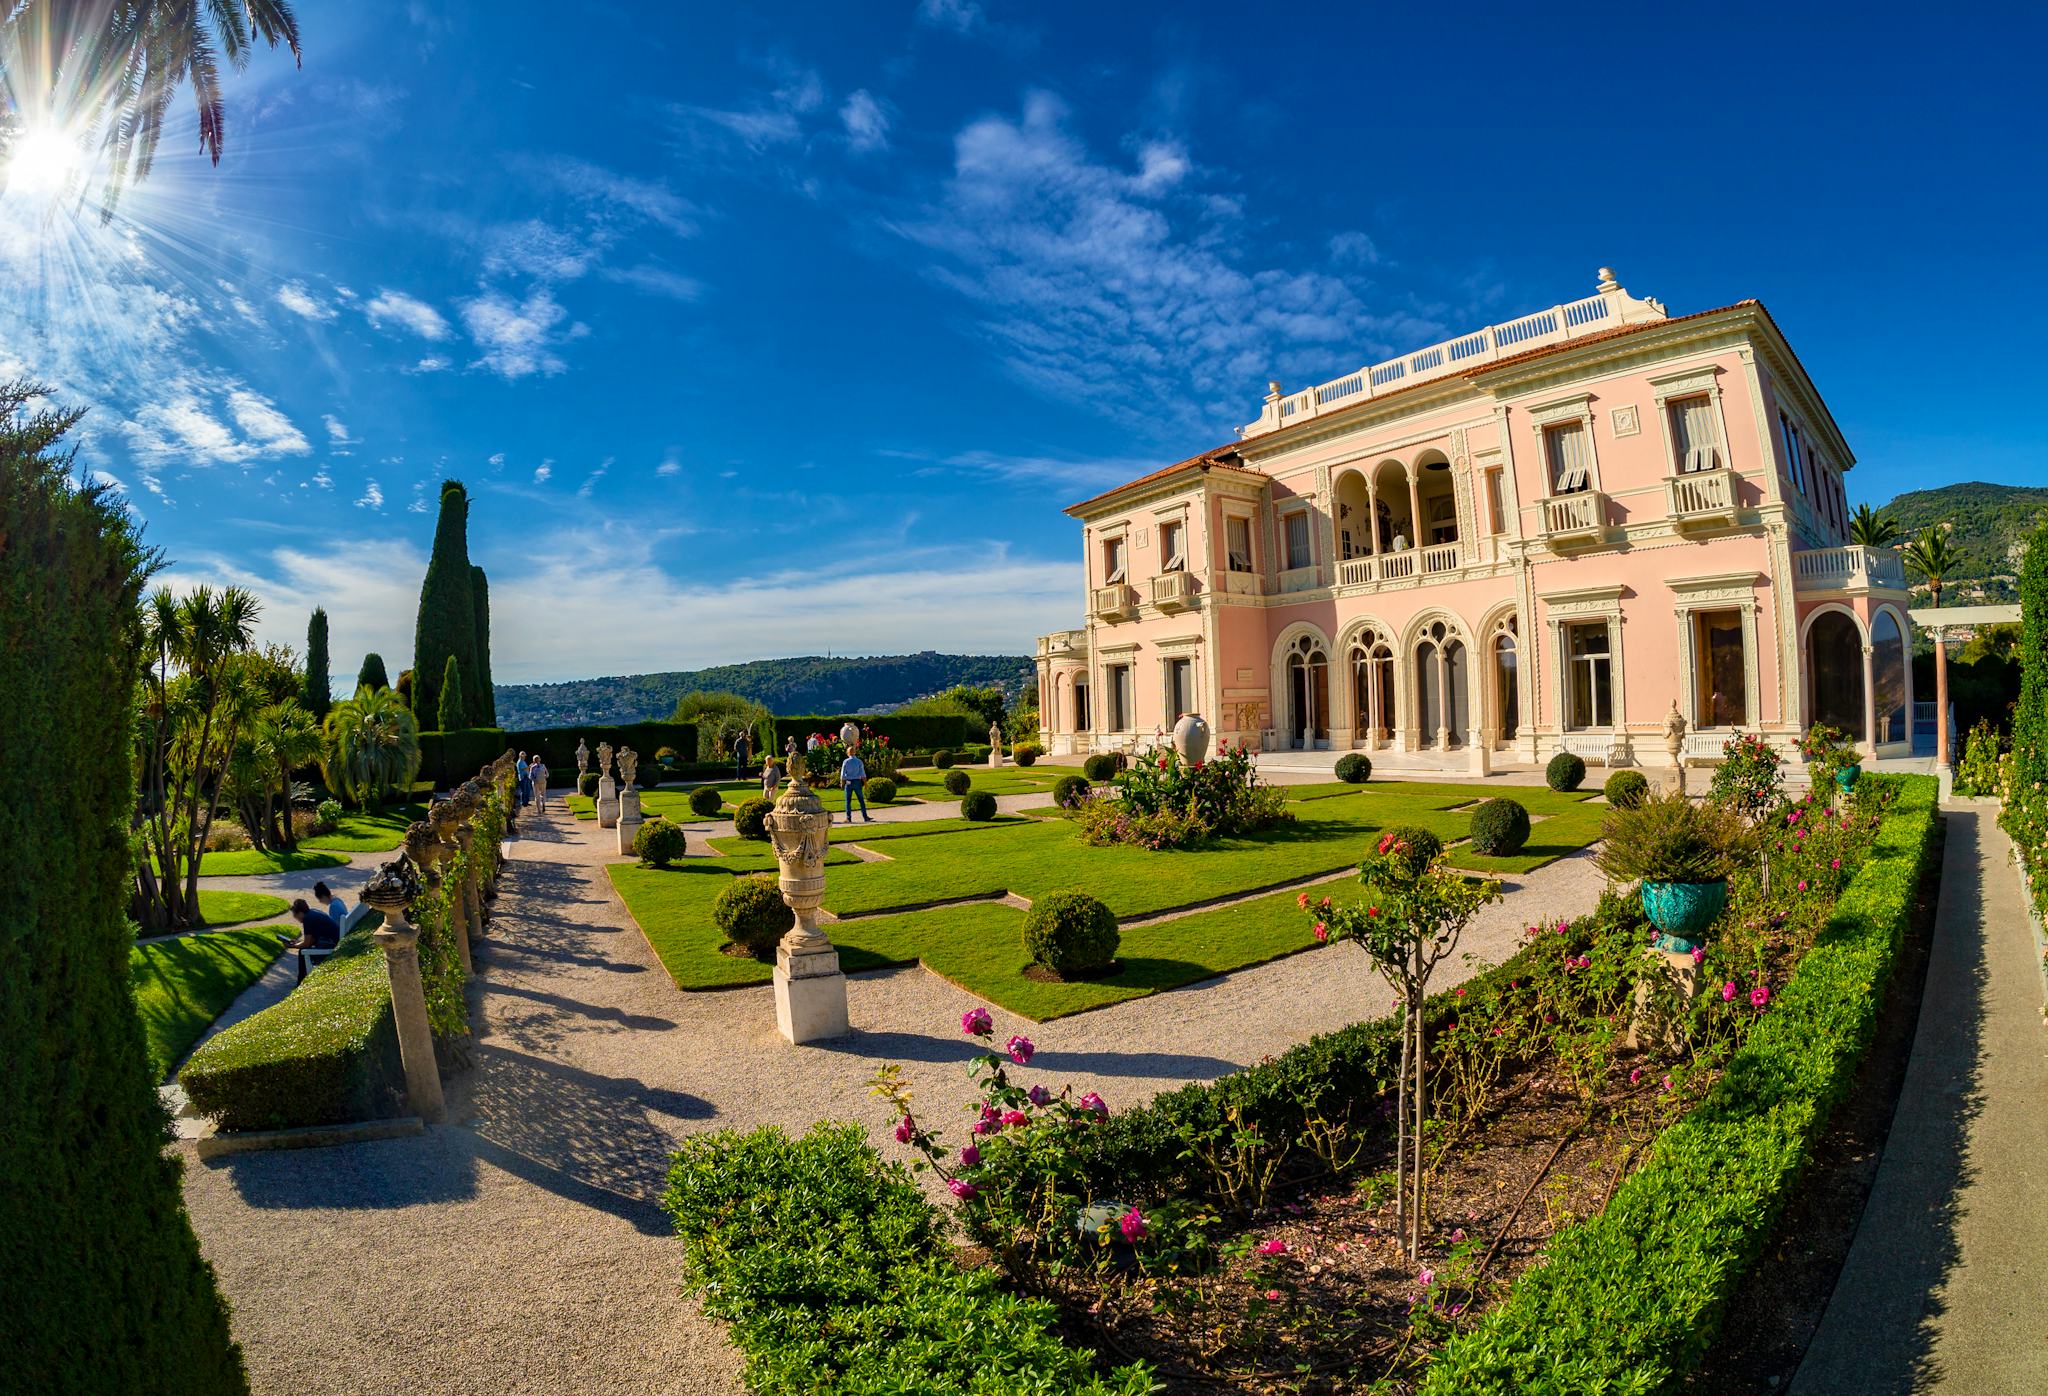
[447,619]
[403,688]
[319,697]
[483,706]
[454,711]
[372,675]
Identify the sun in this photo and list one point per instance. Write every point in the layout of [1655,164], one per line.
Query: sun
[43,161]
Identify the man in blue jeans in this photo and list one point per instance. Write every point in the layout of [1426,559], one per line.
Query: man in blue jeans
[854,776]
[317,931]
[741,750]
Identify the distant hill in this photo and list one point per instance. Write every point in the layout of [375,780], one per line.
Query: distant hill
[809,684]
[1984,522]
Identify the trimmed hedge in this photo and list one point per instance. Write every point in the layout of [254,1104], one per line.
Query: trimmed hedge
[1565,773]
[706,801]
[1100,768]
[979,805]
[1354,767]
[1027,753]
[882,790]
[942,760]
[1500,827]
[327,1053]
[1069,791]
[449,758]
[1626,789]
[750,818]
[1071,933]
[1631,1299]
[957,782]
[835,1274]
[750,912]
[660,842]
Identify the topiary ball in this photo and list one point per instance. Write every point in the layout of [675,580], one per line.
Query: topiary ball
[1565,772]
[1400,854]
[1100,768]
[942,760]
[752,913]
[1626,789]
[1026,755]
[881,790]
[1499,827]
[1355,767]
[957,782]
[706,801]
[1071,934]
[1069,791]
[750,820]
[586,784]
[659,842]
[979,805]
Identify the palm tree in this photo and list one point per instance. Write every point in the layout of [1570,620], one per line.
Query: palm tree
[373,747]
[1934,557]
[1870,529]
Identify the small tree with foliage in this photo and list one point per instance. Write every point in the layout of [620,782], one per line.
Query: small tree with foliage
[372,675]
[1870,529]
[318,696]
[453,714]
[372,748]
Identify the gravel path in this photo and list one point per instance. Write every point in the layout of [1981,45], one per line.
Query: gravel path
[522,1243]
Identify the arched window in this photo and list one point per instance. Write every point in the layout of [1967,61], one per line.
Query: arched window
[1507,678]
[1888,678]
[1372,686]
[1308,692]
[1442,712]
[1837,650]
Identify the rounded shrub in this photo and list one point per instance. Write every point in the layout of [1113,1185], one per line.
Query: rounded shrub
[1071,934]
[957,782]
[1355,767]
[1400,854]
[1100,767]
[1499,827]
[750,819]
[942,760]
[1027,754]
[1565,772]
[1069,791]
[751,913]
[706,801]
[586,784]
[1626,789]
[978,805]
[659,842]
[881,790]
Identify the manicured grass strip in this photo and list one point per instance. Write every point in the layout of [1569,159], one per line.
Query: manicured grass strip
[1003,780]
[1550,838]
[182,984]
[231,908]
[879,833]
[360,832]
[1631,1300]
[250,862]
[675,803]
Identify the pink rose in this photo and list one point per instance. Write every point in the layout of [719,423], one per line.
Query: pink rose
[906,1130]
[969,1156]
[1132,1224]
[1759,996]
[1322,931]
[976,1022]
[1094,1105]
[1020,1050]
[1728,992]
[1013,1118]
[1273,1246]
[1302,901]
[1272,1296]
[1040,1095]
[962,1189]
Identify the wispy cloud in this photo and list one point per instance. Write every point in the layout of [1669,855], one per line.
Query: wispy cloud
[656,281]
[373,497]
[390,307]
[1058,472]
[432,363]
[516,338]
[671,466]
[206,427]
[337,433]
[866,122]
[960,16]
[543,471]
[589,485]
[293,296]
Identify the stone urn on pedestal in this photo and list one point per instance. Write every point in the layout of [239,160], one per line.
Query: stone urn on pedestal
[1191,737]
[1674,744]
[391,890]
[629,800]
[810,990]
[607,789]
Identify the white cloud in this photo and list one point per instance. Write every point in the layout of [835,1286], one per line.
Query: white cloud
[432,363]
[669,467]
[1353,249]
[496,458]
[608,192]
[193,425]
[543,471]
[337,432]
[323,479]
[655,280]
[1078,477]
[961,16]
[584,490]
[536,249]
[293,296]
[516,339]
[407,312]
[867,124]
[373,497]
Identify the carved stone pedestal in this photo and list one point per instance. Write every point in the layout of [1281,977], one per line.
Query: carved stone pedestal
[607,803]
[629,819]
[810,991]
[1649,1027]
[810,994]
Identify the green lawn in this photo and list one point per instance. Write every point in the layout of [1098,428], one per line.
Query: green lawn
[1003,780]
[181,985]
[892,919]
[358,832]
[229,908]
[250,862]
[675,804]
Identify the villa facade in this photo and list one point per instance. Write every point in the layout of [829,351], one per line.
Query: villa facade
[1533,538]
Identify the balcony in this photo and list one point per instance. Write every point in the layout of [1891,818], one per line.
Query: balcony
[1848,569]
[1113,603]
[1439,562]
[1570,519]
[1704,499]
[1175,591]
[1301,578]
[1237,583]
[1063,644]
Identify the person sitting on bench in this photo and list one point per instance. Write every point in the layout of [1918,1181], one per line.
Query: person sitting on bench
[318,933]
[334,906]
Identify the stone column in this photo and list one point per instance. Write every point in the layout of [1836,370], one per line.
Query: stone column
[810,990]
[1870,704]
[394,886]
[1415,518]
[1443,702]
[629,801]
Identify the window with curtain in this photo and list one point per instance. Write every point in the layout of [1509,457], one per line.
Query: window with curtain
[1173,547]
[1792,462]
[1589,675]
[1237,536]
[1112,561]
[1299,554]
[1693,428]
[1720,669]
[1496,507]
[1571,463]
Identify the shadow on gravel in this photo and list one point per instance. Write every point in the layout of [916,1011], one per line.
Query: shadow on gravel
[435,1167]
[919,1047]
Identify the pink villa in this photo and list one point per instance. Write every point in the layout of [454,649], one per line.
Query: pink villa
[1533,538]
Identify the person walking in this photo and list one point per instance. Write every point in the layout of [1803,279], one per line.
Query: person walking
[741,750]
[522,789]
[854,776]
[538,774]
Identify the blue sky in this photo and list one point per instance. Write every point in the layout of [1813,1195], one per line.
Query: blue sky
[760,331]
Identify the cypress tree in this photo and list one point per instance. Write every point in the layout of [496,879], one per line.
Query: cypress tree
[2030,715]
[403,688]
[372,675]
[483,704]
[447,618]
[452,714]
[101,1278]
[319,696]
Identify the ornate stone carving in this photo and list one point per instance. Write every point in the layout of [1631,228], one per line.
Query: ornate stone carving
[582,757]
[1627,421]
[629,765]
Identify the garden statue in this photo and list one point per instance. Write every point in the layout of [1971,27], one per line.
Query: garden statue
[391,890]
[582,758]
[607,789]
[1191,738]
[1674,743]
[629,765]
[995,745]
[628,801]
[810,989]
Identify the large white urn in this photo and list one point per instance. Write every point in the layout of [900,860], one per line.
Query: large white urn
[1191,737]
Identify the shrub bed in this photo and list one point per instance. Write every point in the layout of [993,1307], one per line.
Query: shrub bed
[752,914]
[942,760]
[660,842]
[1069,791]
[882,790]
[1071,934]
[706,801]
[834,1274]
[957,782]
[1027,754]
[1100,768]
[750,819]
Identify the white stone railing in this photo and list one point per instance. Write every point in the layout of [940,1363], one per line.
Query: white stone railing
[1063,642]
[1174,590]
[1357,571]
[1579,515]
[1848,568]
[1114,602]
[1244,584]
[1705,494]
[1612,306]
[1439,558]
[1301,579]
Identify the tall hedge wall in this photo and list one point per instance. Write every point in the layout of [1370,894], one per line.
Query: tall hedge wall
[906,732]
[483,701]
[448,758]
[2025,815]
[101,1279]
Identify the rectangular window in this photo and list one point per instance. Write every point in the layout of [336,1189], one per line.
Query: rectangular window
[1722,699]
[1237,535]
[1496,507]
[1080,707]
[1695,436]
[1589,675]
[1571,465]
[1113,568]
[1180,688]
[1172,547]
[1299,553]
[1120,698]
[1792,463]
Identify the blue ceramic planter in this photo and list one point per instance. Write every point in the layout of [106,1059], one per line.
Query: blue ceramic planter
[1846,777]
[1684,910]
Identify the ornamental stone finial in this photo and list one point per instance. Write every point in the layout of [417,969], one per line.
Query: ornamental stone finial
[604,758]
[1607,281]
[629,765]
[810,990]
